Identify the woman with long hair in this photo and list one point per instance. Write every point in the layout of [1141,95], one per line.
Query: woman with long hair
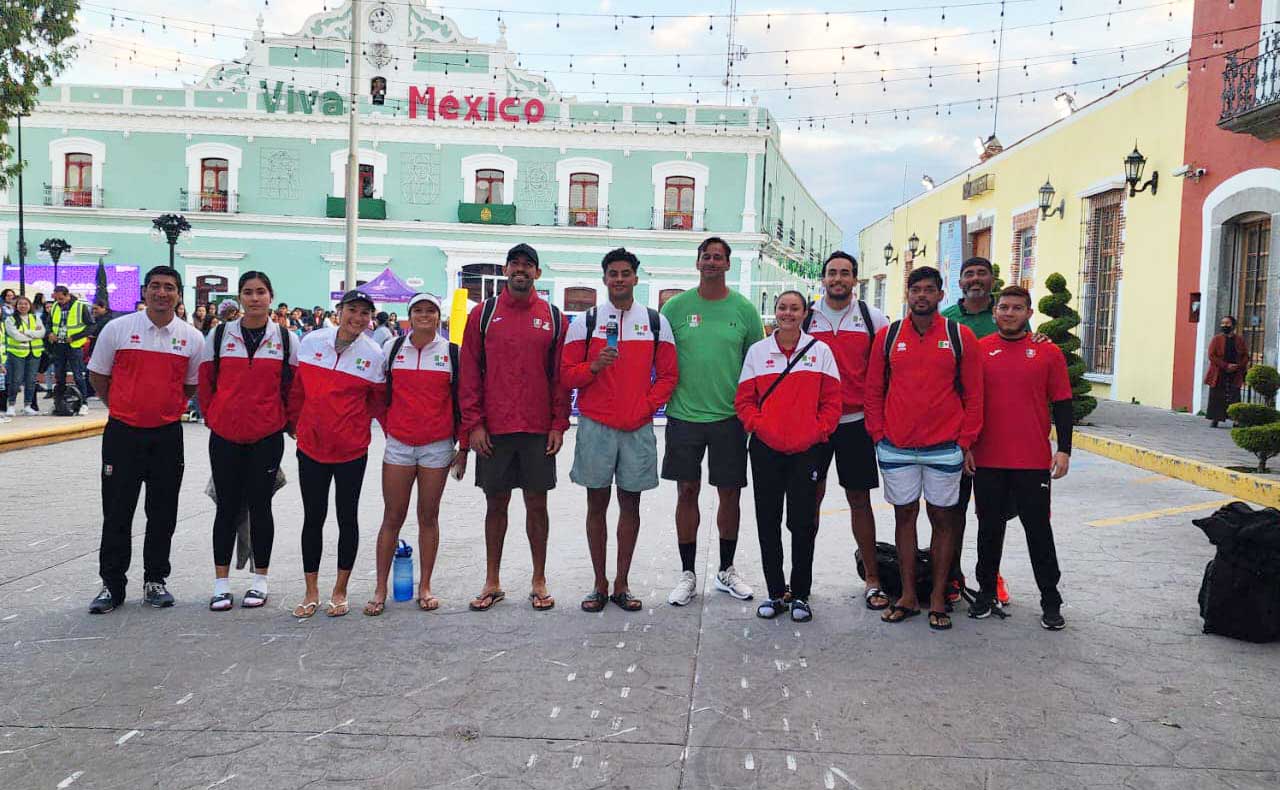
[199,317]
[421,426]
[789,400]
[24,342]
[181,312]
[340,390]
[245,380]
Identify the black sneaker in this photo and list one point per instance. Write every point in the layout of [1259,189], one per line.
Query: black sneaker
[155,594]
[103,602]
[1052,620]
[982,607]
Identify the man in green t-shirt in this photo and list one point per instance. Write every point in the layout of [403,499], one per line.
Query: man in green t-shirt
[977,278]
[713,328]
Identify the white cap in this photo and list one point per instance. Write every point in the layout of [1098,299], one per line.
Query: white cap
[425,297]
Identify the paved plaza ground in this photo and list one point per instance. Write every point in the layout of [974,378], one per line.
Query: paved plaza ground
[1131,695]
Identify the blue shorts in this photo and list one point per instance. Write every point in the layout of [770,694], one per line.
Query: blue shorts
[933,472]
[604,455]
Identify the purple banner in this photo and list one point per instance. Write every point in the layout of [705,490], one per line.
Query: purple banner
[123,282]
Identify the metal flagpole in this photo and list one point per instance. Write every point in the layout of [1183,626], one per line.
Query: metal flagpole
[353,148]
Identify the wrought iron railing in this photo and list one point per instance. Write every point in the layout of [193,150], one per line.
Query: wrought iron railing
[778,231]
[63,196]
[1251,82]
[217,202]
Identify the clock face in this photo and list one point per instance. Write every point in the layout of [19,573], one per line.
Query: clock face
[381,19]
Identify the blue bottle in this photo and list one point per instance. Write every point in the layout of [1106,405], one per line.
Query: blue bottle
[402,573]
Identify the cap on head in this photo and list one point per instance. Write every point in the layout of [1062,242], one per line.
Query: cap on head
[418,298]
[227,308]
[355,295]
[526,251]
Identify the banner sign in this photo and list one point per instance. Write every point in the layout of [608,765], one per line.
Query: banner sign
[123,282]
[950,258]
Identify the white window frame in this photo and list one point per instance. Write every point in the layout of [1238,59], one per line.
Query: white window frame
[58,150]
[338,167]
[700,174]
[565,168]
[196,154]
[510,171]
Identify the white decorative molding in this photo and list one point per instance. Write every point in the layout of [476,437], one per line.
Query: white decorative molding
[361,260]
[58,150]
[211,255]
[338,168]
[200,151]
[700,174]
[583,164]
[749,198]
[77,252]
[1106,185]
[510,172]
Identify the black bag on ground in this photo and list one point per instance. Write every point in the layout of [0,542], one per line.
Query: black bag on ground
[891,574]
[68,402]
[1240,594]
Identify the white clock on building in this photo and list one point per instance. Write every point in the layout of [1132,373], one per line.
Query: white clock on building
[381,19]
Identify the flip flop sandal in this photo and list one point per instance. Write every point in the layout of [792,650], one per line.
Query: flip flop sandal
[898,614]
[253,599]
[429,604]
[876,592]
[374,608]
[800,611]
[332,609]
[940,621]
[595,601]
[485,601]
[548,603]
[771,608]
[627,602]
[220,603]
[305,610]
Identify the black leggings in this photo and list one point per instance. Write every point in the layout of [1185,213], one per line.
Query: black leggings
[314,478]
[244,476]
[777,477]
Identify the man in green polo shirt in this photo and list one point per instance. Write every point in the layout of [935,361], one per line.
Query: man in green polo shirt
[713,327]
[974,309]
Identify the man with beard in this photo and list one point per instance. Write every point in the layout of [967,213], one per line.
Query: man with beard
[924,410]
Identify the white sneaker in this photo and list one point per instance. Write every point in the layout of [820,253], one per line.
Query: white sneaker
[685,591]
[83,411]
[10,412]
[729,581]
[30,412]
[4,419]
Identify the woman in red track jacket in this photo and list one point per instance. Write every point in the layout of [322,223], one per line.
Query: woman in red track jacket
[789,401]
[422,429]
[245,375]
[338,392]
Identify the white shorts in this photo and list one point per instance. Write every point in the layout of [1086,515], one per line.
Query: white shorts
[933,472]
[435,455]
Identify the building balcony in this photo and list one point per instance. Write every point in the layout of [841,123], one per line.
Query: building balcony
[369,208]
[487,213]
[582,217]
[1251,91]
[777,231]
[80,198]
[217,202]
[678,220]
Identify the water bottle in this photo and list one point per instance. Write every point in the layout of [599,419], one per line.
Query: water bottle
[402,572]
[611,333]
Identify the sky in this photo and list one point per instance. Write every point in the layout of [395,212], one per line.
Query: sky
[869,100]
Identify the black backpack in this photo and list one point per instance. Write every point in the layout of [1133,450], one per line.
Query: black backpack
[891,574]
[957,350]
[453,379]
[866,321]
[1240,593]
[655,329]
[286,370]
[486,317]
[67,401]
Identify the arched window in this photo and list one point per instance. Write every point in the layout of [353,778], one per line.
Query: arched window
[367,173]
[214,175]
[578,299]
[584,199]
[78,181]
[489,186]
[667,293]
[678,203]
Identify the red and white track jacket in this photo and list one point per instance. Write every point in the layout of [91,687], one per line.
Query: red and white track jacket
[336,396]
[421,409]
[624,395]
[851,344]
[804,409]
[149,366]
[246,406]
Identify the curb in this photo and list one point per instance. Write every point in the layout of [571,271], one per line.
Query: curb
[1240,485]
[44,436]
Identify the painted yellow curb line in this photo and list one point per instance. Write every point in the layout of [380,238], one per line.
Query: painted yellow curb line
[1250,488]
[43,436]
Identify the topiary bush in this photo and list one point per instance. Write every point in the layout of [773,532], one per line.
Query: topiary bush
[1062,319]
[1261,440]
[1264,380]
[1248,415]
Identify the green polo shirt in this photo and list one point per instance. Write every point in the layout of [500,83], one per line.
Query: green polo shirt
[982,323]
[712,338]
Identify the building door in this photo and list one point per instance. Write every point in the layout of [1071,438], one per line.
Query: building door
[578,299]
[982,244]
[1251,259]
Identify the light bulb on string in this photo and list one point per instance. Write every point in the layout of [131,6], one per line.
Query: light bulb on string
[651,24]
[842,54]
[164,28]
[1108,21]
[557,21]
[944,13]
[768,21]
[711,23]
[828,15]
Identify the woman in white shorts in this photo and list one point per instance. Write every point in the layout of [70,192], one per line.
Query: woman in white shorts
[421,426]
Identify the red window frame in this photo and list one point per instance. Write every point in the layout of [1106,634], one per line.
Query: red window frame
[215,174]
[584,199]
[489,186]
[367,176]
[677,202]
[77,180]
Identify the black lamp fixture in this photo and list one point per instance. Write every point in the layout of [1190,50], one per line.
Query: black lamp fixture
[55,248]
[1133,166]
[913,247]
[889,257]
[1046,200]
[172,226]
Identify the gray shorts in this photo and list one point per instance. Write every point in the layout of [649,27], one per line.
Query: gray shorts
[602,455]
[435,455]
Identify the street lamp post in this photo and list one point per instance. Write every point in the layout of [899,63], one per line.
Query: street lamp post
[55,248]
[22,240]
[172,226]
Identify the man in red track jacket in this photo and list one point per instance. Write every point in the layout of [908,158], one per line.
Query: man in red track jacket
[923,415]
[515,411]
[617,396]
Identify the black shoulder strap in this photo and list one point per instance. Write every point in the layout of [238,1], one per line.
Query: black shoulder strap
[218,333]
[890,337]
[590,318]
[453,383]
[391,363]
[552,359]
[286,370]
[655,328]
[486,317]
[807,321]
[866,321]
[957,351]
[796,357]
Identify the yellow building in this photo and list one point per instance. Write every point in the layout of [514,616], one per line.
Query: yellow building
[1118,252]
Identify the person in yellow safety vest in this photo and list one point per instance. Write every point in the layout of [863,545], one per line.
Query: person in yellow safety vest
[24,344]
[67,334]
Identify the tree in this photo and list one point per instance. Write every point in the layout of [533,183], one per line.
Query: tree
[1264,380]
[32,52]
[1261,440]
[1062,319]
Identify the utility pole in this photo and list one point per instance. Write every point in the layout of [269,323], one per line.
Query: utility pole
[353,148]
[22,240]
